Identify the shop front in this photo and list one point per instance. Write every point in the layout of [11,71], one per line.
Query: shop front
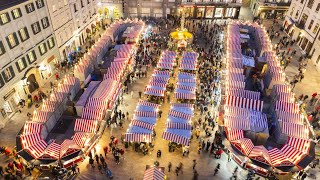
[47,67]
[211,12]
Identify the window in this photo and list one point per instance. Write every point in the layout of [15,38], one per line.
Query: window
[54,8]
[310,25]
[65,2]
[310,3]
[42,48]
[315,29]
[88,1]
[23,33]
[8,74]
[51,43]
[36,27]
[39,4]
[16,13]
[45,22]
[4,18]
[12,40]
[2,50]
[81,1]
[292,10]
[30,8]
[301,1]
[318,7]
[297,14]
[21,64]
[75,7]
[31,57]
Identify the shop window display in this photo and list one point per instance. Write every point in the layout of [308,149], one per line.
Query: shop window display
[209,12]
[218,13]
[200,12]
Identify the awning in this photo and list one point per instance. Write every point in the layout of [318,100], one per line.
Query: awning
[154,174]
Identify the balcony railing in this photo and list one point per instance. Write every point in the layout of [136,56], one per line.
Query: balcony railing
[278,3]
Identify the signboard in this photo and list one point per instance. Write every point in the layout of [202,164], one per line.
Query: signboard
[10,93]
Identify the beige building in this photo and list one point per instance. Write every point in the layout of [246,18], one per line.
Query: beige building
[269,9]
[28,52]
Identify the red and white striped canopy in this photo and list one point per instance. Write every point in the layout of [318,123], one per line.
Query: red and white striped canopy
[235,76]
[84,125]
[180,115]
[70,80]
[37,149]
[185,126]
[40,116]
[189,88]
[278,158]
[175,138]
[142,124]
[251,104]
[234,134]
[235,122]
[236,111]
[260,153]
[48,108]
[146,113]
[285,97]
[52,151]
[290,117]
[282,88]
[154,92]
[182,105]
[80,138]
[294,155]
[89,113]
[32,128]
[165,66]
[162,73]
[98,103]
[133,137]
[146,103]
[187,80]
[156,84]
[188,66]
[235,84]
[243,93]
[57,96]
[179,95]
[302,145]
[68,147]
[153,174]
[244,145]
[29,140]
[295,130]
[288,107]
[64,88]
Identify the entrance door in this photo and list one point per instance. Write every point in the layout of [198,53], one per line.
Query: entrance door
[32,83]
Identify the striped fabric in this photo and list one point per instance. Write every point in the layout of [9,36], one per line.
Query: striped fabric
[37,149]
[153,174]
[182,105]
[299,144]
[142,124]
[290,117]
[161,73]
[132,137]
[285,97]
[294,155]
[157,78]
[189,88]
[84,125]
[185,126]
[251,104]
[187,80]
[244,145]
[29,140]
[57,96]
[234,134]
[243,93]
[80,138]
[68,147]
[48,108]
[235,77]
[295,130]
[52,151]
[64,88]
[235,70]
[282,88]
[179,95]
[260,153]
[94,114]
[191,75]
[165,66]
[146,113]
[40,116]
[32,128]
[188,66]
[154,92]
[70,80]
[98,103]
[236,111]
[278,158]
[175,138]
[180,115]
[237,122]
[288,107]
[235,84]
[146,103]
[157,84]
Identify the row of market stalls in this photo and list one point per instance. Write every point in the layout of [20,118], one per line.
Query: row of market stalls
[32,140]
[242,112]
[98,99]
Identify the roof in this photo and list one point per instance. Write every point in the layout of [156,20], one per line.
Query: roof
[5,4]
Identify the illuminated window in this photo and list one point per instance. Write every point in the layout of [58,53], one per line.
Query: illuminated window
[23,34]
[4,18]
[315,29]
[16,13]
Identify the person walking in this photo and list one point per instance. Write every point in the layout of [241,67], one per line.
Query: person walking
[304,176]
[160,113]
[169,166]
[140,94]
[208,145]
[105,150]
[229,156]
[97,158]
[102,160]
[91,162]
[194,164]
[195,175]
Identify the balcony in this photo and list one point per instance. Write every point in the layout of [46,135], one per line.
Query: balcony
[277,3]
[300,25]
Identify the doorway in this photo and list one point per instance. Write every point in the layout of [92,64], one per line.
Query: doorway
[32,83]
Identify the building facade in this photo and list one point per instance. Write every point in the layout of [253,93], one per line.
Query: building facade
[269,9]
[211,9]
[149,8]
[28,53]
[110,9]
[302,23]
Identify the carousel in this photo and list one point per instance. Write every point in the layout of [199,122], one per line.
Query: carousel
[181,37]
